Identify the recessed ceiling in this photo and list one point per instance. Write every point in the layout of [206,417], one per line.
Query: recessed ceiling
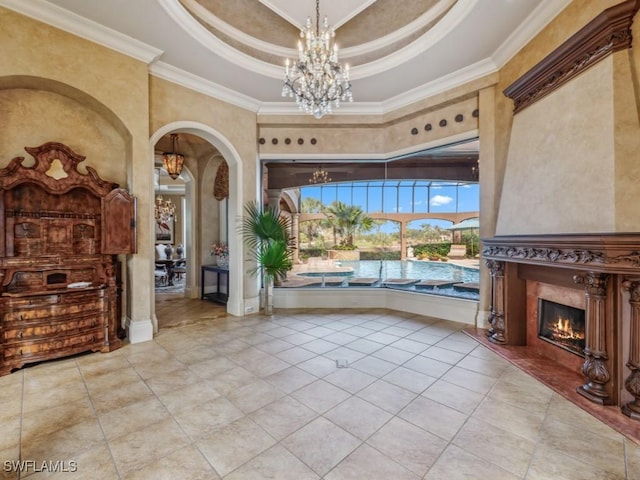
[338,12]
[399,51]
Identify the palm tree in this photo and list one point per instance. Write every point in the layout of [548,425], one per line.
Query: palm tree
[347,220]
[266,233]
[312,227]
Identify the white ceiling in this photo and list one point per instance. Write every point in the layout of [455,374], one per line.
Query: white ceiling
[338,12]
[471,39]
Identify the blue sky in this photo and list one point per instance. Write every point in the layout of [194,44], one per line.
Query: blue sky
[399,196]
[404,196]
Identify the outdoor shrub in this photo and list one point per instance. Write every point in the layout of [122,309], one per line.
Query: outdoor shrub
[312,252]
[432,249]
[345,247]
[378,255]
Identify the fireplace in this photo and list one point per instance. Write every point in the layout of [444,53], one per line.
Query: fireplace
[561,325]
[578,292]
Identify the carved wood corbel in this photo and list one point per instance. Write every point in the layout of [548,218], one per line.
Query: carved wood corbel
[632,382]
[595,365]
[496,317]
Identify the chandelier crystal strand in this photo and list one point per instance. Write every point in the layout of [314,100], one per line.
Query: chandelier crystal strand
[320,176]
[316,79]
[164,210]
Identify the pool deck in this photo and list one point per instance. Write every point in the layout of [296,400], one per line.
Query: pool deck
[319,265]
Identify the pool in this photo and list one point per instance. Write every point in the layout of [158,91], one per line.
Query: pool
[415,269]
[410,269]
[344,273]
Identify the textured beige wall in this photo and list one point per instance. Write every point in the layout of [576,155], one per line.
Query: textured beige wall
[561,164]
[574,17]
[172,103]
[376,139]
[626,145]
[37,117]
[111,83]
[42,69]
[569,166]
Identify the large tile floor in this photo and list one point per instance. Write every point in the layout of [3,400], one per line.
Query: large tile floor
[256,397]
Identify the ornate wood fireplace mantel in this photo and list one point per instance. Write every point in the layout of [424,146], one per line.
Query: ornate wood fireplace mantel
[607,268]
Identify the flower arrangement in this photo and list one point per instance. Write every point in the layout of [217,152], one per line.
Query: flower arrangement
[220,250]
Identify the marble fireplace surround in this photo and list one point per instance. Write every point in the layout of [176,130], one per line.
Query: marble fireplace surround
[599,273]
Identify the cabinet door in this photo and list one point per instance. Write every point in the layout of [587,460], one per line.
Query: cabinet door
[118,222]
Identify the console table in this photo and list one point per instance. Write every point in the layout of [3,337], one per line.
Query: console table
[221,293]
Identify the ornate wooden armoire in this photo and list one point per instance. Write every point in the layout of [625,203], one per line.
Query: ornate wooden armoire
[59,282]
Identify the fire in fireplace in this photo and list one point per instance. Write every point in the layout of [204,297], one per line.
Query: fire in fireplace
[561,325]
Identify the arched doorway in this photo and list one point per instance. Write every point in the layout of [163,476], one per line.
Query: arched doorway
[194,240]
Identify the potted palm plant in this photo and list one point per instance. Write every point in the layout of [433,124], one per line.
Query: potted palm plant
[266,233]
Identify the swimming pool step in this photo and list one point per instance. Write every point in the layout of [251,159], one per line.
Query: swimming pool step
[363,282]
[400,281]
[431,284]
[468,286]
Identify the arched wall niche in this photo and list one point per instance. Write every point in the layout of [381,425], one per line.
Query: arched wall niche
[36,110]
[211,215]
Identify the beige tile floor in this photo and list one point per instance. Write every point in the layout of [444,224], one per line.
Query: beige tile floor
[258,397]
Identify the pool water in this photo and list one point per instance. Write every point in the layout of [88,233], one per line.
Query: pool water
[410,269]
[418,270]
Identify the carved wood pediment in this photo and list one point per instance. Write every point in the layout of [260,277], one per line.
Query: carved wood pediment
[607,33]
[55,170]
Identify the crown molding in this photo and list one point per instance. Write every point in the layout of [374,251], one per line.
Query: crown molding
[607,33]
[272,49]
[197,31]
[291,108]
[534,24]
[443,84]
[70,22]
[179,14]
[199,84]
[236,34]
[440,85]
[407,53]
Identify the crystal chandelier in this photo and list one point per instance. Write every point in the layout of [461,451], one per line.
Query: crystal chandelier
[165,210]
[316,79]
[173,161]
[320,176]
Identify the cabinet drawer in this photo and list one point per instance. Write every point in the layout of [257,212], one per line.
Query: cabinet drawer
[28,331]
[72,342]
[52,311]
[69,296]
[30,302]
